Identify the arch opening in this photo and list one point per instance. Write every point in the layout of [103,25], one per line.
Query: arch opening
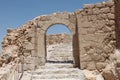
[59,46]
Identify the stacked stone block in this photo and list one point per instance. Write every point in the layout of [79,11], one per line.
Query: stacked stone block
[93,32]
[96,27]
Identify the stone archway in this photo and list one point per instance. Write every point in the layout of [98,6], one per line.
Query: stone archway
[59,48]
[45,22]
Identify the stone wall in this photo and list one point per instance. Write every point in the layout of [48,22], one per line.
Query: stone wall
[58,38]
[18,42]
[93,33]
[96,26]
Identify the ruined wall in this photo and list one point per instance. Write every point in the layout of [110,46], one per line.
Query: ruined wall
[58,38]
[93,33]
[96,26]
[18,42]
[29,42]
[45,22]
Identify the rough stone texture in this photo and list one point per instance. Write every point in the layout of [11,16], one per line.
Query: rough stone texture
[95,33]
[108,75]
[62,52]
[58,38]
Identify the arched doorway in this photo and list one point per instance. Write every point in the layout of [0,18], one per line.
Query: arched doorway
[59,47]
[44,23]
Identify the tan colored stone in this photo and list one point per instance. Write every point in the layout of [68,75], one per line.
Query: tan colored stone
[99,5]
[108,75]
[111,16]
[28,67]
[105,10]
[91,65]
[109,3]
[93,31]
[100,65]
[89,6]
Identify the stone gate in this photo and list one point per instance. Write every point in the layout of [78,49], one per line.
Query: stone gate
[44,22]
[94,30]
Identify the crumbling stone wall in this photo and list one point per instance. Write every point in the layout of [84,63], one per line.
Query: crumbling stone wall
[96,27]
[58,38]
[16,42]
[93,33]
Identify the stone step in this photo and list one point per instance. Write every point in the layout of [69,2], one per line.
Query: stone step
[60,58]
[59,55]
[58,65]
[55,76]
[56,71]
[62,50]
[59,79]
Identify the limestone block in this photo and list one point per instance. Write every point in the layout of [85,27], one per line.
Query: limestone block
[113,10]
[86,25]
[91,65]
[101,65]
[89,6]
[28,67]
[45,18]
[92,17]
[109,3]
[111,16]
[83,65]
[102,16]
[85,58]
[105,10]
[29,60]
[27,53]
[97,57]
[33,53]
[112,22]
[96,10]
[33,40]
[90,75]
[72,18]
[63,15]
[29,46]
[31,34]
[41,61]
[41,50]
[99,5]
[108,75]
[20,68]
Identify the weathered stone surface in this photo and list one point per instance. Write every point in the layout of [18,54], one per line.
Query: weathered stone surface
[28,67]
[100,65]
[105,10]
[58,38]
[95,35]
[108,75]
[91,65]
[89,6]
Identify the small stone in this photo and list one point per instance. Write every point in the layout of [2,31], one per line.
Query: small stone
[89,6]
[104,10]
[111,16]
[108,75]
